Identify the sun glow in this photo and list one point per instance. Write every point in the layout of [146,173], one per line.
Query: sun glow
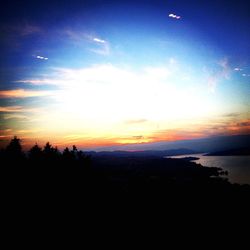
[106,104]
[113,93]
[101,99]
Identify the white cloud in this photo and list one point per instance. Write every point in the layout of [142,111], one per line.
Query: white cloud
[174,16]
[238,69]
[98,40]
[103,47]
[42,57]
[39,82]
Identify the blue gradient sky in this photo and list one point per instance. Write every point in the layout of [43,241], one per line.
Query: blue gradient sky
[110,72]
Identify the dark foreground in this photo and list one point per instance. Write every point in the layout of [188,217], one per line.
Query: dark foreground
[47,180]
[115,179]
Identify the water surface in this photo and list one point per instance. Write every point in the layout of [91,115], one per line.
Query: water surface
[238,167]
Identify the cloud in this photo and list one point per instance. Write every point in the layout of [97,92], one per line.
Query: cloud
[80,36]
[40,82]
[22,93]
[83,38]
[98,40]
[244,124]
[138,137]
[14,116]
[232,115]
[14,35]
[104,51]
[29,29]
[17,109]
[104,47]
[41,57]
[25,29]
[138,121]
[10,109]
[174,16]
[238,69]
[211,127]
[223,73]
[112,102]
[123,94]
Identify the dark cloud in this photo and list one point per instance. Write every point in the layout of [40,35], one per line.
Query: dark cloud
[243,124]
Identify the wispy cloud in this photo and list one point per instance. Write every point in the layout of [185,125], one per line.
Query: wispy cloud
[15,116]
[244,124]
[232,115]
[29,29]
[39,82]
[18,109]
[10,109]
[80,38]
[22,93]
[138,121]
[214,127]
[15,35]
[98,40]
[222,73]
[104,47]
[23,29]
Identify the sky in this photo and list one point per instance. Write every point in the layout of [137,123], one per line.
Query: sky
[101,73]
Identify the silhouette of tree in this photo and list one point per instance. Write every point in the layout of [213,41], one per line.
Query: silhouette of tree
[50,153]
[66,151]
[66,154]
[35,153]
[74,152]
[47,148]
[15,146]
[83,159]
[14,149]
[74,148]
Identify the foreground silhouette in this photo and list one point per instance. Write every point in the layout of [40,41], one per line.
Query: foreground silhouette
[49,174]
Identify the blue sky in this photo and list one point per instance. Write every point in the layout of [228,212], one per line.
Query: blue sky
[111,72]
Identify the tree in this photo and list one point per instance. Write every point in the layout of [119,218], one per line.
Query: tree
[50,153]
[13,152]
[15,145]
[14,149]
[68,155]
[47,148]
[35,153]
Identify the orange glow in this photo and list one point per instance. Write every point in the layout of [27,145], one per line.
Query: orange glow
[21,93]
[30,137]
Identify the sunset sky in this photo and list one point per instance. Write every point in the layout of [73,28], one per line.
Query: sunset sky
[96,73]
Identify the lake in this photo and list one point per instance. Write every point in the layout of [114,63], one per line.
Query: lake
[238,167]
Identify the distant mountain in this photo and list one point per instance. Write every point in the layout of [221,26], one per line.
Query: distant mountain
[237,151]
[210,144]
[145,153]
